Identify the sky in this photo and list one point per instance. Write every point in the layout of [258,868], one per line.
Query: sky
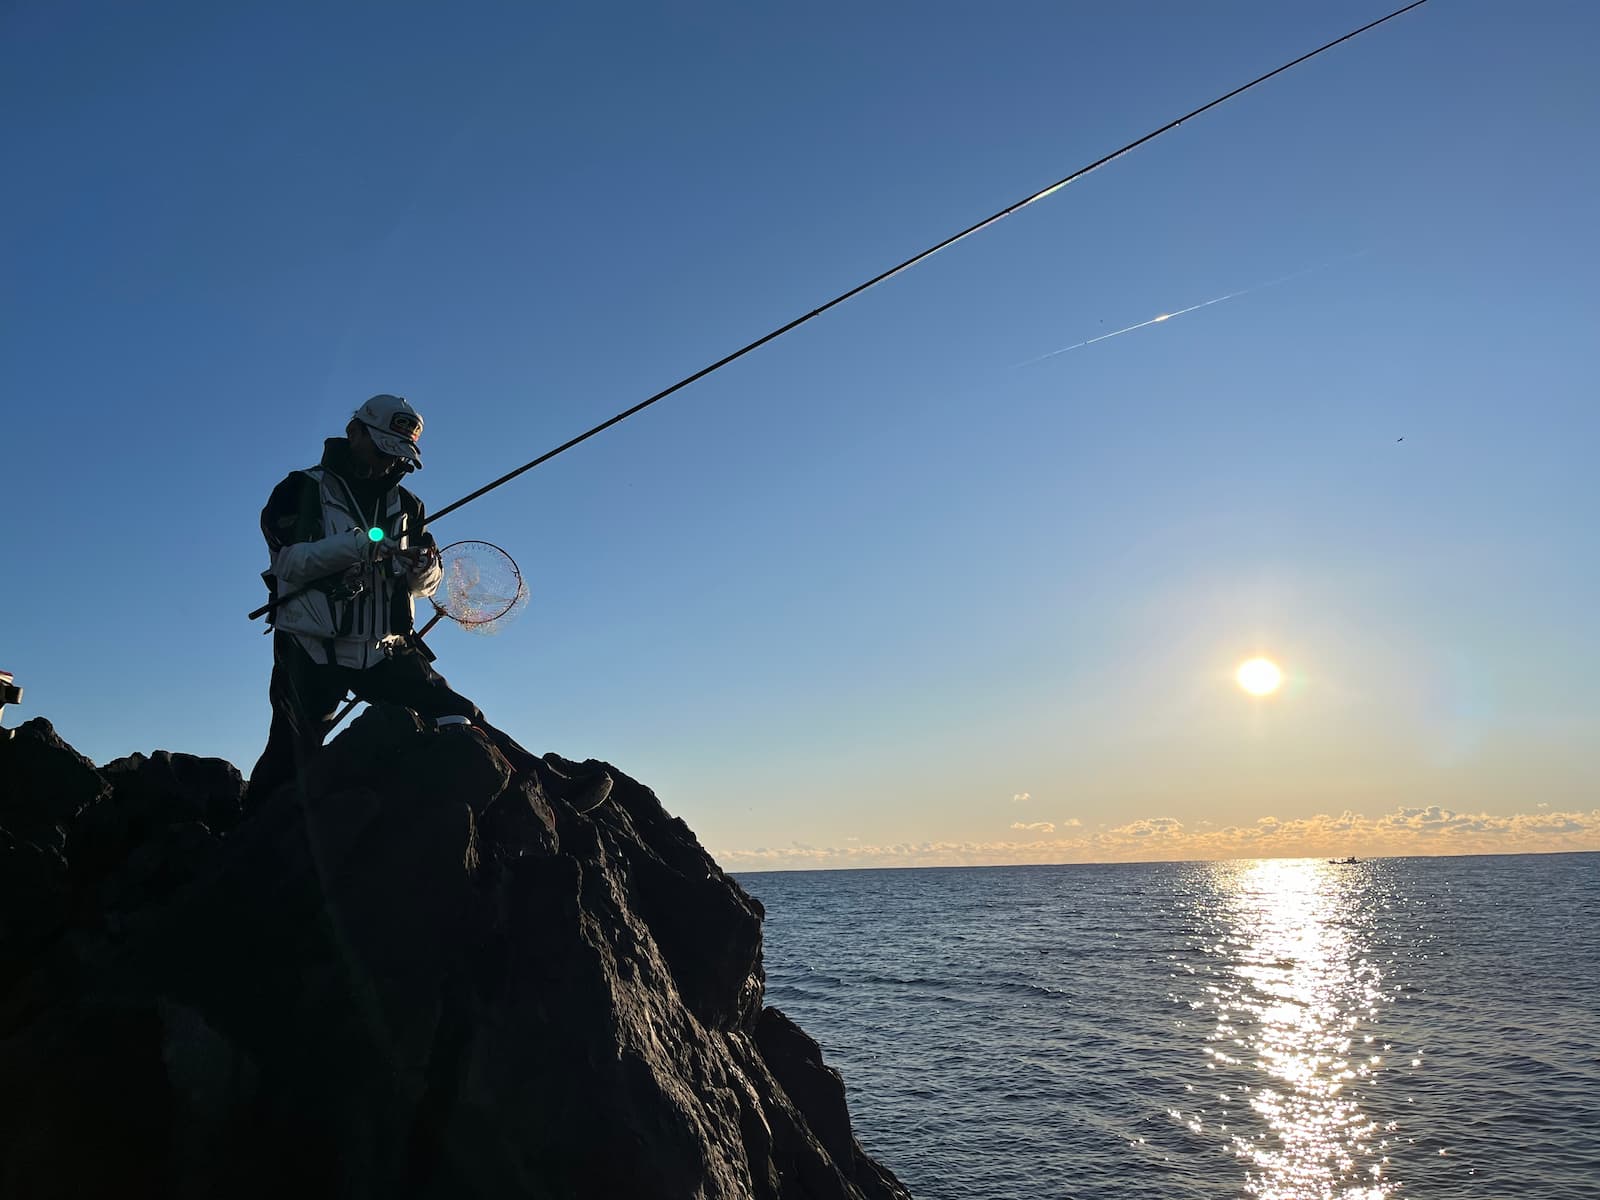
[916,583]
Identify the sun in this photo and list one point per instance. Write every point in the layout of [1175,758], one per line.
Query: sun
[1259,676]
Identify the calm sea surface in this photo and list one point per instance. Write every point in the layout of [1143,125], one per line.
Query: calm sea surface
[1284,1029]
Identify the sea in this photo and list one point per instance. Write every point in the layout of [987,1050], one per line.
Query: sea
[1282,1029]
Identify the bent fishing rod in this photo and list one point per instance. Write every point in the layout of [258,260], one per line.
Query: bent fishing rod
[977,227]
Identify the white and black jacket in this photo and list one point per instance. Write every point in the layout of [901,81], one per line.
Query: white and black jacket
[341,600]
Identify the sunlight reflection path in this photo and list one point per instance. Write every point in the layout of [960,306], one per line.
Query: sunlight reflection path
[1294,989]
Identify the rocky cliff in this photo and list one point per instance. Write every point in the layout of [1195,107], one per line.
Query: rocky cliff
[432,980]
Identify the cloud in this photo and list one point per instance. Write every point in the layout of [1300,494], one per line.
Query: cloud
[1071,823]
[1021,798]
[1428,830]
[1150,827]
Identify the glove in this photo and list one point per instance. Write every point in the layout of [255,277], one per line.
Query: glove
[419,567]
[421,559]
[387,548]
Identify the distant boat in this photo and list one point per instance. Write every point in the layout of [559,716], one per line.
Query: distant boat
[1344,861]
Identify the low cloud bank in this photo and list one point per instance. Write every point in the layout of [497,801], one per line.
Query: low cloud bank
[1405,831]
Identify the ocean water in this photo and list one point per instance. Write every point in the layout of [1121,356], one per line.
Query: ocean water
[1282,1029]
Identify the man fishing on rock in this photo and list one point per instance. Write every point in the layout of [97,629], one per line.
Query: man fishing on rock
[350,554]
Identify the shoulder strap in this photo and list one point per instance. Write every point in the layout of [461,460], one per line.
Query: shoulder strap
[308,516]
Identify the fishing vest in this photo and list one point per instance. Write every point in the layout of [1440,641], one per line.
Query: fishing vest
[346,618]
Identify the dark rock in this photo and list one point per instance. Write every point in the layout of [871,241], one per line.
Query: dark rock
[426,976]
[161,864]
[387,746]
[43,784]
[87,1110]
[519,822]
[35,898]
[170,789]
[147,834]
[816,1088]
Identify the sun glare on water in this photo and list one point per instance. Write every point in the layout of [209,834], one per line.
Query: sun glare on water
[1259,676]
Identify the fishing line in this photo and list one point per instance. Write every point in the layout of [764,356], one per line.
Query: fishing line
[913,261]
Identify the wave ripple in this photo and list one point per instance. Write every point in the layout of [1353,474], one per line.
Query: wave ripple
[1285,1030]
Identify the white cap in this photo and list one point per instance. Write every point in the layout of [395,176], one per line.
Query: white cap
[395,427]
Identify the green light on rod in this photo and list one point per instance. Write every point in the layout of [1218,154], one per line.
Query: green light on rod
[375,534]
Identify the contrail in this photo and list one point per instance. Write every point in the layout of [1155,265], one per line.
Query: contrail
[1168,316]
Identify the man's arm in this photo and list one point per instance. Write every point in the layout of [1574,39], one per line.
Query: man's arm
[297,562]
[424,576]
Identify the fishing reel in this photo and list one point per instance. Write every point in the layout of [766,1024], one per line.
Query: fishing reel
[351,584]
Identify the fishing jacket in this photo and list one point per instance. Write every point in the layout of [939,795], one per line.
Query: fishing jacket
[352,606]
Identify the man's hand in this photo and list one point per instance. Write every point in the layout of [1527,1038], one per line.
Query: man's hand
[419,559]
[383,548]
[408,557]
[421,566]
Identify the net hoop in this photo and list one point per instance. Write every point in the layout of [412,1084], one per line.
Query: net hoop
[480,588]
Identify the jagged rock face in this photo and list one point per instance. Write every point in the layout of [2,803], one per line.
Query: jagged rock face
[429,979]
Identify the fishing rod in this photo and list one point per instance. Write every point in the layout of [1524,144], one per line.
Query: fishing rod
[895,270]
[913,261]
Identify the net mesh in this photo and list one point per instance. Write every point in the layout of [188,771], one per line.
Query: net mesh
[482,590]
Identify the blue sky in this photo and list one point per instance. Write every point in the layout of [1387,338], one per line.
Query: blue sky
[853,598]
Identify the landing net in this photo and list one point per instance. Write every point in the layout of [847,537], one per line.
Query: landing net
[482,589]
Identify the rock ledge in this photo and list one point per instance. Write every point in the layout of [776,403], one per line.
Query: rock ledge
[433,980]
